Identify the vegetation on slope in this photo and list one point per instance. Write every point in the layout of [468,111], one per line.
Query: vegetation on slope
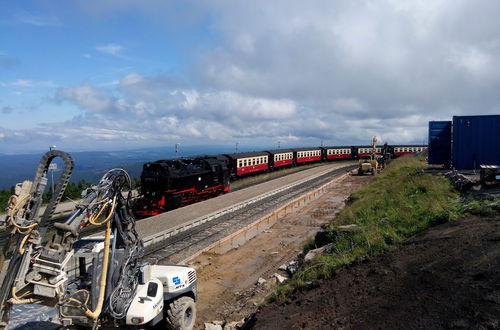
[398,203]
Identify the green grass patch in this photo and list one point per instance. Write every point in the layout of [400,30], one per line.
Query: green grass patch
[395,205]
[480,205]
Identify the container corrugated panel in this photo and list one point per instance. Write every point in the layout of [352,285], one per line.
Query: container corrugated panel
[439,151]
[476,141]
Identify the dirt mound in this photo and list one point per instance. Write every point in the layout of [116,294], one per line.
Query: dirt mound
[447,277]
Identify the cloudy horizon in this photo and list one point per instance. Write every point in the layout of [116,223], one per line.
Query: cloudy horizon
[130,74]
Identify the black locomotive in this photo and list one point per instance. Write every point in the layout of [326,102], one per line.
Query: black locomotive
[169,184]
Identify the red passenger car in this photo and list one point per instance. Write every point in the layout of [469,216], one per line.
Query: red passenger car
[248,162]
[337,153]
[366,151]
[307,155]
[408,149]
[280,158]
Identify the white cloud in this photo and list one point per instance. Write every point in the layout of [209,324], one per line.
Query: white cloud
[38,20]
[87,97]
[295,71]
[28,83]
[475,61]
[110,49]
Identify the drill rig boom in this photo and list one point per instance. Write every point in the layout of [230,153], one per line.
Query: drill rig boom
[92,281]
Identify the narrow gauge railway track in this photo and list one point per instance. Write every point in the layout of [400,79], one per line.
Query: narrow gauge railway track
[190,240]
[185,244]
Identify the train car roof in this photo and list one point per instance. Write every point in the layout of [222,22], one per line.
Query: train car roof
[336,147]
[306,149]
[279,151]
[247,154]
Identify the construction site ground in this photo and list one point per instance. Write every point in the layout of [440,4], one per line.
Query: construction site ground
[447,277]
[229,287]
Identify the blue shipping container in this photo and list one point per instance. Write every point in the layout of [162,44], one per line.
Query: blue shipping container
[439,143]
[476,141]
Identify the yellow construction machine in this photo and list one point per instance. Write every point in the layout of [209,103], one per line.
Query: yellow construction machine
[373,163]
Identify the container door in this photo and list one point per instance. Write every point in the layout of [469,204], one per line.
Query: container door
[439,143]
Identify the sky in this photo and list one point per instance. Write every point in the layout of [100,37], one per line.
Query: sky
[122,74]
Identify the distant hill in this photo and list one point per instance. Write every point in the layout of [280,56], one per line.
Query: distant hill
[91,165]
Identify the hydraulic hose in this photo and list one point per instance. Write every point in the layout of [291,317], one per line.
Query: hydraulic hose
[104,274]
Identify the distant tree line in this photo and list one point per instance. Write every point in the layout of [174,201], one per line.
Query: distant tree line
[73,192]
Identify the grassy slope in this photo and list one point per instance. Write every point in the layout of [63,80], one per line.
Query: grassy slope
[395,205]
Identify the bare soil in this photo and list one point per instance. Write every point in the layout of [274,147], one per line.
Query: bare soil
[447,277]
[228,289]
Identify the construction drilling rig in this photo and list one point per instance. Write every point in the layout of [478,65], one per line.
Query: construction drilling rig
[92,281]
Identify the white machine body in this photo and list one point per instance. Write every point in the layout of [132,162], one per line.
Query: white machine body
[161,283]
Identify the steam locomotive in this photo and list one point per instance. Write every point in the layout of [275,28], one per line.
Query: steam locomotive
[169,184]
